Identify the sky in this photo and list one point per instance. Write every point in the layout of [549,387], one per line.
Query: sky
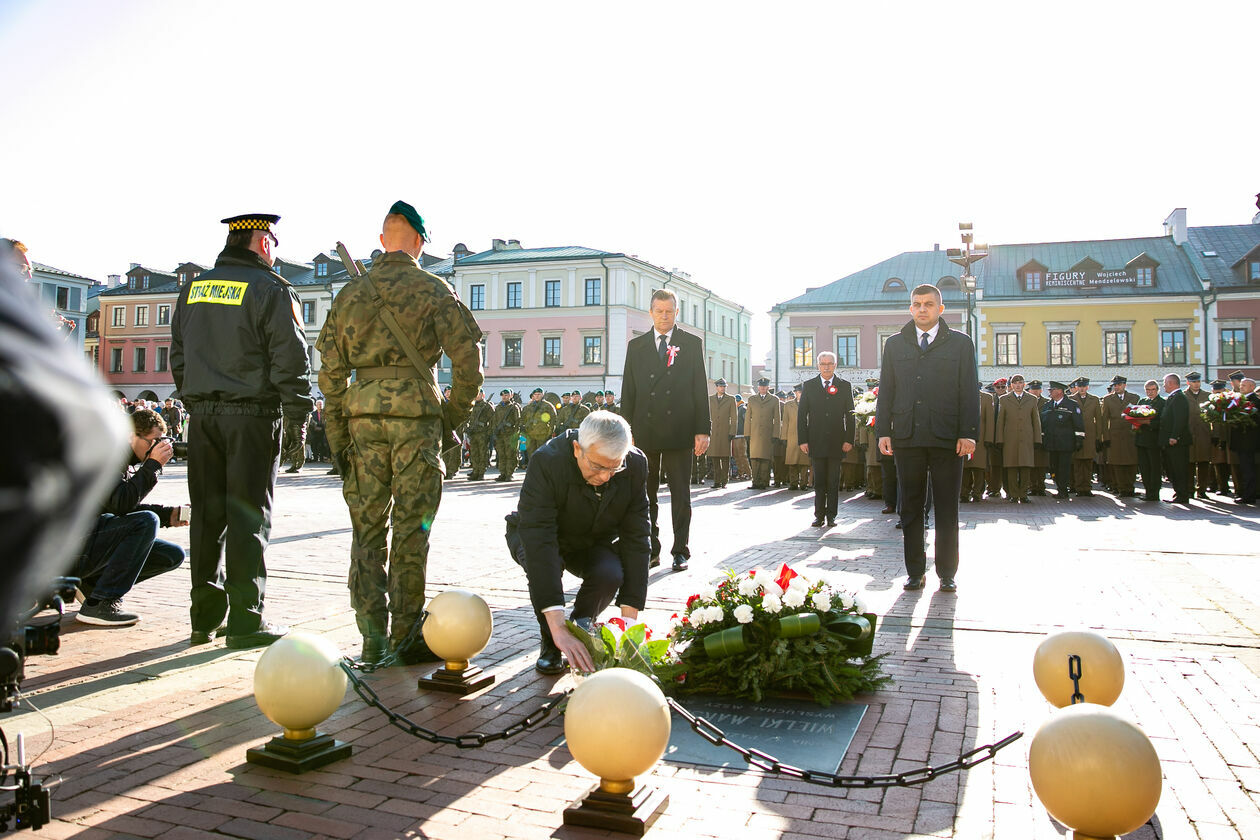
[762,147]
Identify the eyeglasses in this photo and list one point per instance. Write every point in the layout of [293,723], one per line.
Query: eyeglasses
[600,468]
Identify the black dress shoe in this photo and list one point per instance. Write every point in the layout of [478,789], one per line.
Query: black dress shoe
[948,585]
[913,583]
[680,563]
[333,471]
[654,561]
[818,522]
[1084,493]
[888,510]
[203,637]
[831,523]
[551,662]
[898,526]
[291,470]
[263,636]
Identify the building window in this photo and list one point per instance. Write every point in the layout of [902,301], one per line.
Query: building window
[846,351]
[477,297]
[1172,347]
[308,312]
[513,295]
[894,284]
[802,351]
[592,350]
[1253,272]
[1061,349]
[115,360]
[551,293]
[142,316]
[119,316]
[723,325]
[1116,347]
[163,359]
[551,351]
[695,313]
[140,360]
[1032,281]
[593,291]
[1234,345]
[511,352]
[164,315]
[1007,349]
[1146,276]
[321,269]
[63,297]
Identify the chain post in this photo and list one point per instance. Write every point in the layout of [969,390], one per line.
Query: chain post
[1074,673]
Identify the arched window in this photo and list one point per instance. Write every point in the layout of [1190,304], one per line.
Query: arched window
[947,283]
[634,296]
[894,284]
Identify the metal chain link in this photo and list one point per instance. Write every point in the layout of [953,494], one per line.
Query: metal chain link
[770,764]
[417,629]
[467,741]
[1074,673]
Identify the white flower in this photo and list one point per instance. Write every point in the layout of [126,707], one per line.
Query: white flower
[846,600]
[799,582]
[821,600]
[749,586]
[743,614]
[794,597]
[714,614]
[860,604]
[699,616]
[708,592]
[771,603]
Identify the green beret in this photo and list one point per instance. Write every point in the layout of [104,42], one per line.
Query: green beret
[535,391]
[505,392]
[402,208]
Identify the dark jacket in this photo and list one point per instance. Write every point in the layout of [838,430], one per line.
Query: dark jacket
[1246,438]
[1062,428]
[138,480]
[928,399]
[560,515]
[824,420]
[1174,421]
[666,405]
[1147,437]
[237,342]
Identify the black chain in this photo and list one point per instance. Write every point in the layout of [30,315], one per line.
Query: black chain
[467,741]
[1074,673]
[770,764]
[417,629]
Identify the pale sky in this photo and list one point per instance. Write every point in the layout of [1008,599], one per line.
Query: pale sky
[762,147]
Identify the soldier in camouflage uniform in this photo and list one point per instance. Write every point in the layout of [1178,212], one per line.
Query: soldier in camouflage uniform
[610,402]
[453,456]
[538,421]
[385,429]
[294,436]
[580,410]
[480,422]
[507,434]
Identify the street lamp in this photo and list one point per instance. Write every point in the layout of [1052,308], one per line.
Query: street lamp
[968,255]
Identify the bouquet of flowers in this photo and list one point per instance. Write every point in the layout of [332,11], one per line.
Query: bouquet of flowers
[752,633]
[864,406]
[616,644]
[1139,415]
[1230,408]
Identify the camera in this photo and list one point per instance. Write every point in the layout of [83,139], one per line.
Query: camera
[180,446]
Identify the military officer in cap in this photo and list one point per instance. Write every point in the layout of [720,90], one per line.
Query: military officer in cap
[1220,449]
[1201,472]
[723,416]
[762,425]
[1083,459]
[506,434]
[239,360]
[1063,432]
[386,429]
[976,466]
[996,470]
[480,424]
[1018,427]
[743,470]
[1119,444]
[538,420]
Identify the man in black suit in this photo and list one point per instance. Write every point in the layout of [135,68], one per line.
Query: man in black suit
[666,399]
[584,509]
[1174,438]
[1245,441]
[929,407]
[825,427]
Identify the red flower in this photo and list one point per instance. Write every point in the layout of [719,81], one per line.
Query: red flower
[647,634]
[686,620]
[753,573]
[619,622]
[692,600]
[672,617]
[785,577]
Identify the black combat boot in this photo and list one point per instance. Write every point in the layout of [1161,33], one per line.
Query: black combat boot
[375,649]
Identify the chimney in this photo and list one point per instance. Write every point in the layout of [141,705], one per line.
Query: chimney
[514,245]
[1175,226]
[498,245]
[133,266]
[936,246]
[113,281]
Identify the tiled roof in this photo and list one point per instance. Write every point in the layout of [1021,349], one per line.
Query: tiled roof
[1230,244]
[161,288]
[565,252]
[868,286]
[48,269]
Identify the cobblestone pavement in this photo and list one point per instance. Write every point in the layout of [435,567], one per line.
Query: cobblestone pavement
[150,735]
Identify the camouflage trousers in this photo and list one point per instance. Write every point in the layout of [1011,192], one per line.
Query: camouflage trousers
[506,447]
[532,444]
[395,478]
[478,453]
[453,458]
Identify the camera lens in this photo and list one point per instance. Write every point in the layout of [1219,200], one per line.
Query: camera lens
[42,639]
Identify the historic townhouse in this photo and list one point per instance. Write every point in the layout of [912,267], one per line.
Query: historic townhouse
[66,294]
[1051,310]
[135,331]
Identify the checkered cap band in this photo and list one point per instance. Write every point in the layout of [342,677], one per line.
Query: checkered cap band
[249,224]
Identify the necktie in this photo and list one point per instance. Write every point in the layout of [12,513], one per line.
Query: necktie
[923,342]
[662,348]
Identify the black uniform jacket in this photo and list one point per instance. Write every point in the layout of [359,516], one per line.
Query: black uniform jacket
[1245,438]
[824,420]
[928,398]
[1174,420]
[237,345]
[666,405]
[1062,427]
[559,515]
[1147,437]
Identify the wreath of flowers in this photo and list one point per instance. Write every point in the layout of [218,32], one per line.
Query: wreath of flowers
[1230,408]
[1139,415]
[864,406]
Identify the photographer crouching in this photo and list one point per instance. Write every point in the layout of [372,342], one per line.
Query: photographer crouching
[123,548]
